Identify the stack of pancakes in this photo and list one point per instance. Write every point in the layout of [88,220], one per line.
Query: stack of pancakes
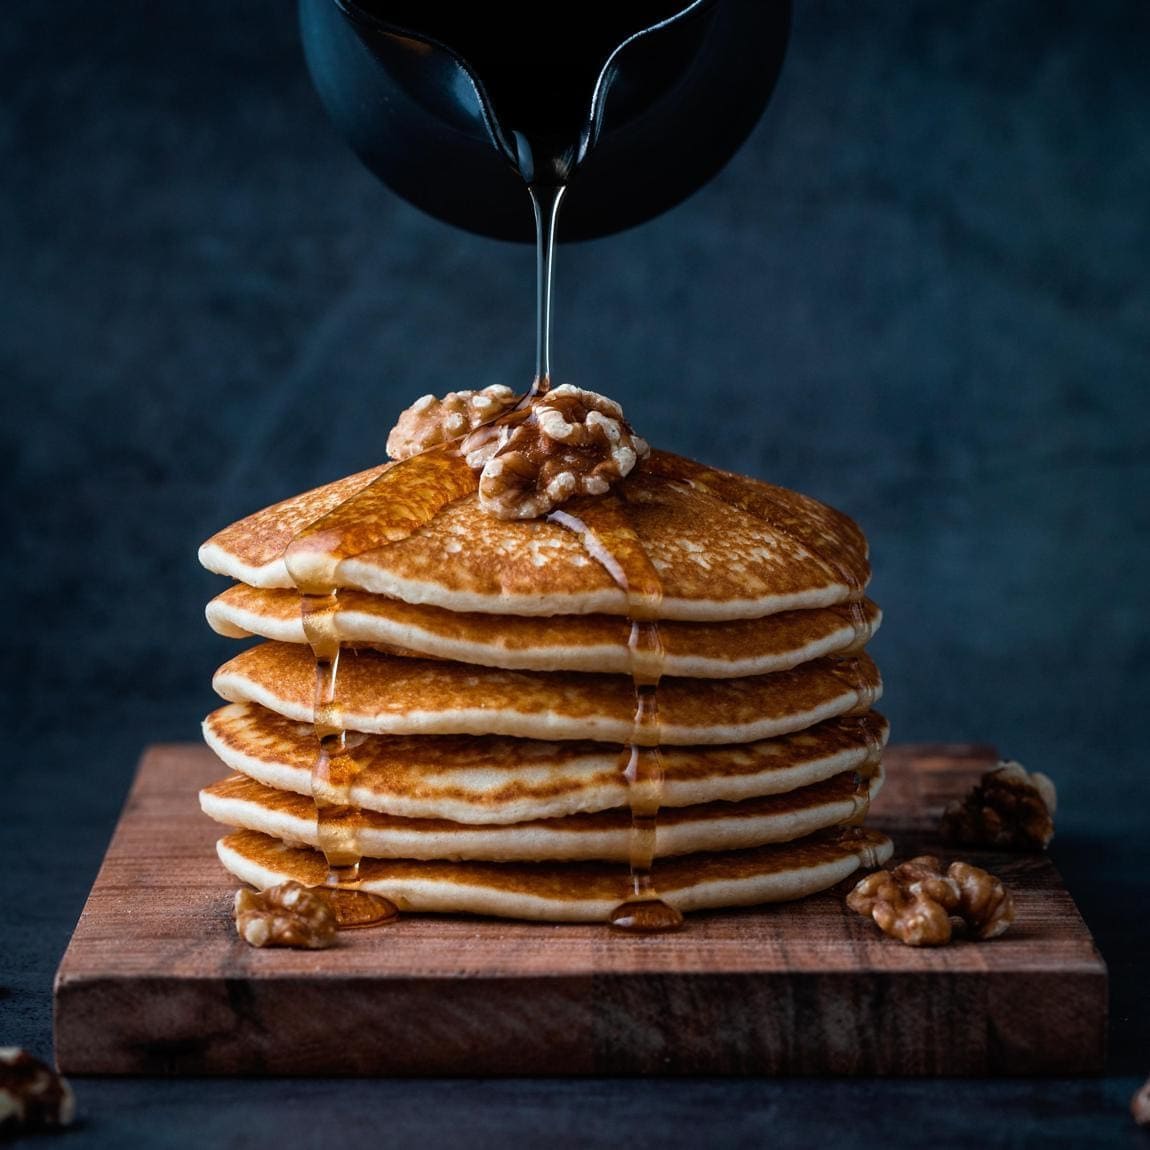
[486,682]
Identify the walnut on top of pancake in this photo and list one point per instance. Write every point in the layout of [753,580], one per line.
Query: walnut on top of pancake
[429,421]
[531,457]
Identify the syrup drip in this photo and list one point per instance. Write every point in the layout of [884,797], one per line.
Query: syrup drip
[609,539]
[865,683]
[861,626]
[855,673]
[864,845]
[870,732]
[396,504]
[853,670]
[334,772]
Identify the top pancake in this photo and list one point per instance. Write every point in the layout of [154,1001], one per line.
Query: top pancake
[722,546]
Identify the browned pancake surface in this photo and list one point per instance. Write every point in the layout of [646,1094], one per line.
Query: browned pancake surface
[492,779]
[386,694]
[261,538]
[572,881]
[821,529]
[561,642]
[844,788]
[724,548]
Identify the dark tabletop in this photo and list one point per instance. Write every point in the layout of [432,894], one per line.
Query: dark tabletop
[920,292]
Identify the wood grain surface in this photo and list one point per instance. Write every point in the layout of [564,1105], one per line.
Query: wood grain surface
[155,980]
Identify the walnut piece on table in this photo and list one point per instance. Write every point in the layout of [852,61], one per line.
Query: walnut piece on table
[1009,807]
[921,905]
[290,914]
[569,442]
[32,1095]
[429,421]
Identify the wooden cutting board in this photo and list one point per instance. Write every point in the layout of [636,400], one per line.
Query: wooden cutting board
[155,980]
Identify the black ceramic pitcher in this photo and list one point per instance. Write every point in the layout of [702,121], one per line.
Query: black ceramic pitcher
[634,105]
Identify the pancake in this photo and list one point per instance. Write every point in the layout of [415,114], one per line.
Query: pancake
[496,780]
[560,643]
[573,892]
[496,687]
[724,547]
[248,805]
[384,694]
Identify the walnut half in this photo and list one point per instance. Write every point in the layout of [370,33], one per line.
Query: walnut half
[429,422]
[569,442]
[1009,808]
[290,914]
[32,1095]
[920,904]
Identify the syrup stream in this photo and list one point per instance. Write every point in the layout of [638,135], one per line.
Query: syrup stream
[545,200]
[616,548]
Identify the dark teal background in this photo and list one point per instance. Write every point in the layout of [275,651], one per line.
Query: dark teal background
[920,292]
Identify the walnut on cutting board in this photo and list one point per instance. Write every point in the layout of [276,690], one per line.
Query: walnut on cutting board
[290,914]
[920,904]
[1009,807]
